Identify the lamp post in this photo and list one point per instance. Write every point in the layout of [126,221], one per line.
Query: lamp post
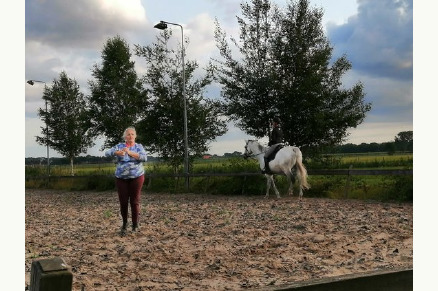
[163,25]
[32,82]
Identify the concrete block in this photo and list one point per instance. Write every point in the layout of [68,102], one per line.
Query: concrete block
[50,275]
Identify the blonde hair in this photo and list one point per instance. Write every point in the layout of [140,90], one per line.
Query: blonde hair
[126,130]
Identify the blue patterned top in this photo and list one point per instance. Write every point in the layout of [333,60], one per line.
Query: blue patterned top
[128,167]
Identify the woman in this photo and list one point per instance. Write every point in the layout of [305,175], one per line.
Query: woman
[275,139]
[129,176]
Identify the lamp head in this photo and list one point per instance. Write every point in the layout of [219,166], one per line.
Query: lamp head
[30,82]
[162,25]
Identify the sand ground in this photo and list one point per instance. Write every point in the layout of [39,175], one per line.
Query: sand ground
[207,242]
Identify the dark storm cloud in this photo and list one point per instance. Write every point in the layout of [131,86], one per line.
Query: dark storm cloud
[379,39]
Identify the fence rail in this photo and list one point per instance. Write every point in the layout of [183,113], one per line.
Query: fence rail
[342,172]
[323,172]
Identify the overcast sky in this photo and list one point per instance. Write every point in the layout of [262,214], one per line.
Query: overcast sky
[376,36]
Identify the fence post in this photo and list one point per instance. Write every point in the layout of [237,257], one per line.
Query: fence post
[207,183]
[243,186]
[149,183]
[347,185]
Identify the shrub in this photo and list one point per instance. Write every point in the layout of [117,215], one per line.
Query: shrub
[402,189]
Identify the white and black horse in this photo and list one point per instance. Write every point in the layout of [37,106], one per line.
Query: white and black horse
[285,160]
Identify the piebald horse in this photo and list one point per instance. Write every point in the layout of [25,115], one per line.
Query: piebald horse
[285,160]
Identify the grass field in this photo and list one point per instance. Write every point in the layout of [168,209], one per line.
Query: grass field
[92,177]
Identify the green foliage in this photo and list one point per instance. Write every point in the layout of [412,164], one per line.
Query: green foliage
[284,71]
[405,140]
[238,165]
[35,170]
[401,188]
[405,136]
[324,162]
[107,213]
[162,128]
[326,186]
[67,119]
[72,183]
[100,183]
[36,183]
[117,99]
[388,147]
[360,161]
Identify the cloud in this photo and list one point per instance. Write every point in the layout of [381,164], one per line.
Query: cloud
[200,31]
[82,23]
[229,9]
[391,99]
[233,140]
[336,11]
[33,125]
[378,40]
[378,132]
[69,36]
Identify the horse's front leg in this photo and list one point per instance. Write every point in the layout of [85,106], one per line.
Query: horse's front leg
[301,193]
[271,177]
[291,184]
[291,189]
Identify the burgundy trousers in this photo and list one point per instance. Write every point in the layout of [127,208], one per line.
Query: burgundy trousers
[129,191]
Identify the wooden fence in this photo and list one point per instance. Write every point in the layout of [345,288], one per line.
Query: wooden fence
[344,172]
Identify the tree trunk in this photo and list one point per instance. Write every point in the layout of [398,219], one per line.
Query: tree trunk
[71,165]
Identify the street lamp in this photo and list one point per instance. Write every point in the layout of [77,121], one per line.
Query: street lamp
[32,82]
[163,25]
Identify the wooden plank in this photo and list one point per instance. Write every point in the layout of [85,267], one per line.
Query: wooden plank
[381,280]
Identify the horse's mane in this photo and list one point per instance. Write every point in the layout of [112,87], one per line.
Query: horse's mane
[261,148]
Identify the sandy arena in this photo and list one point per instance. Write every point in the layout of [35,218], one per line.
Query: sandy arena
[206,242]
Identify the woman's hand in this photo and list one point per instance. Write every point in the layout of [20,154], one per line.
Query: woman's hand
[126,151]
[120,153]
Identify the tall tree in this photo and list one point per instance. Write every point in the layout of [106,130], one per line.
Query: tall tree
[404,136]
[405,140]
[247,82]
[117,99]
[162,128]
[285,71]
[68,124]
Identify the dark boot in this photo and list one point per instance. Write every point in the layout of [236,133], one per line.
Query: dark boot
[135,227]
[123,229]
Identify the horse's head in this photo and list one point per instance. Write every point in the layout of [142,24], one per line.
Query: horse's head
[248,149]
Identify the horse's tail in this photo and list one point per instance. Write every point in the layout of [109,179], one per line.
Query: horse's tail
[302,169]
